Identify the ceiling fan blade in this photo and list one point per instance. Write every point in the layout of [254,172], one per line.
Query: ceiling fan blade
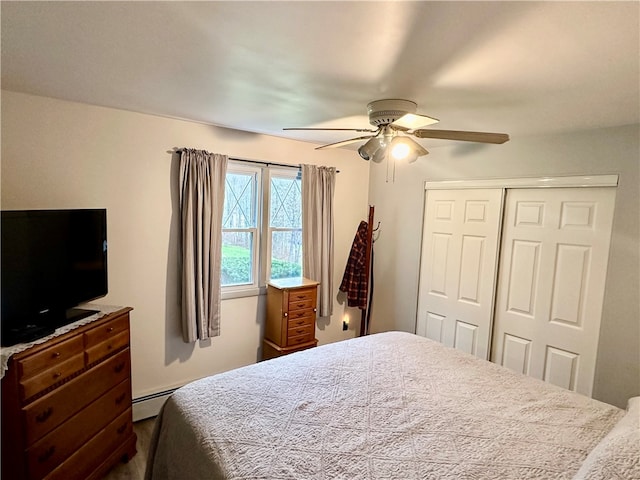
[345,142]
[482,137]
[336,129]
[412,121]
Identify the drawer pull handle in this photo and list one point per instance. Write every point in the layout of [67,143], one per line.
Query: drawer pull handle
[57,375]
[121,429]
[43,457]
[55,355]
[44,416]
[300,314]
[120,398]
[109,347]
[299,331]
[110,329]
[301,322]
[118,368]
[300,297]
[300,305]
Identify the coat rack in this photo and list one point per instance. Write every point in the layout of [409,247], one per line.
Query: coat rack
[366,312]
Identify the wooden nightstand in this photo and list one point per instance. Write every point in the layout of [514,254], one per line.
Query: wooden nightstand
[291,317]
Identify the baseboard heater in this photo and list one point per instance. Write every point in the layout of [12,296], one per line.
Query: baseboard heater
[150,405]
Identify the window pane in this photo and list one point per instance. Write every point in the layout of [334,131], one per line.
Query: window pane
[286,254]
[237,258]
[239,201]
[286,202]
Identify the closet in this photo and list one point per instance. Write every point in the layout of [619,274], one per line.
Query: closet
[513,270]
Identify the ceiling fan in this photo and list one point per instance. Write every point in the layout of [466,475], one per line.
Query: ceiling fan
[394,120]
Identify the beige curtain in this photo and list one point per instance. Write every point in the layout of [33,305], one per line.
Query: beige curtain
[318,185]
[202,180]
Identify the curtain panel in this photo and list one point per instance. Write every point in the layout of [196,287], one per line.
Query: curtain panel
[318,186]
[202,182]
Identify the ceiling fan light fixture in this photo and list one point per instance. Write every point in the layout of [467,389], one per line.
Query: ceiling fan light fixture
[369,149]
[405,148]
[400,150]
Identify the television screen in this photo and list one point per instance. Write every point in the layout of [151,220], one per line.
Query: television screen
[51,261]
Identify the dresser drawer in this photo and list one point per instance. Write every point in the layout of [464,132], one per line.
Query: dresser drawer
[83,462]
[31,386]
[308,313]
[106,331]
[302,320]
[49,358]
[108,347]
[302,294]
[59,444]
[306,329]
[46,413]
[292,341]
[301,305]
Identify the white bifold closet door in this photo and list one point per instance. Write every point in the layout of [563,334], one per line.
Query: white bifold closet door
[522,285]
[553,267]
[458,270]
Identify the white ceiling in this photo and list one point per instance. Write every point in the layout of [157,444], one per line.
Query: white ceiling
[516,67]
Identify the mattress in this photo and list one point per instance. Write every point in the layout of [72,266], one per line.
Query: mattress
[385,406]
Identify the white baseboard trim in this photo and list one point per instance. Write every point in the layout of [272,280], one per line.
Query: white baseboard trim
[150,405]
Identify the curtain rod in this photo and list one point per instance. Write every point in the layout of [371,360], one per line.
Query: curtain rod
[269,164]
[261,162]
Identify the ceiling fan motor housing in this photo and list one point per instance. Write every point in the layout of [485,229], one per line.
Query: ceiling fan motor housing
[384,112]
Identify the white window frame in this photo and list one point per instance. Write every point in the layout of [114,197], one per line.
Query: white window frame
[267,230]
[262,232]
[248,289]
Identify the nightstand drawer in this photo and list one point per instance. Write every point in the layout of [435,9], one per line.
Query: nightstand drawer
[49,358]
[301,294]
[300,339]
[301,305]
[306,329]
[34,385]
[301,322]
[299,314]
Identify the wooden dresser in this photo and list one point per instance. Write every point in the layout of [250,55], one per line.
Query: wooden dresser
[291,317]
[66,404]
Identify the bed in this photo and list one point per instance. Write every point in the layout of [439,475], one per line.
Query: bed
[388,406]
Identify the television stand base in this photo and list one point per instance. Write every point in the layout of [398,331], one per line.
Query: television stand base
[75,314]
[25,335]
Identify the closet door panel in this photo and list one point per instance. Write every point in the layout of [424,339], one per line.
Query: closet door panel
[458,267]
[555,247]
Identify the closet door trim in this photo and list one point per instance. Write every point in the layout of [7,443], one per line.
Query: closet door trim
[527,182]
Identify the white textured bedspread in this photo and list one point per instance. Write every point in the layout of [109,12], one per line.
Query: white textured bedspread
[390,405]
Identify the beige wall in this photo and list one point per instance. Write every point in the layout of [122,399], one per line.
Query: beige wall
[58,154]
[399,208]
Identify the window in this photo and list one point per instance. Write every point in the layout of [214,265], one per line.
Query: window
[240,234]
[261,227]
[285,226]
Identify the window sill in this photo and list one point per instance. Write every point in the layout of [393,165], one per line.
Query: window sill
[230,293]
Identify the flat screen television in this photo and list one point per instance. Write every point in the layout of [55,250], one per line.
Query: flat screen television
[51,261]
